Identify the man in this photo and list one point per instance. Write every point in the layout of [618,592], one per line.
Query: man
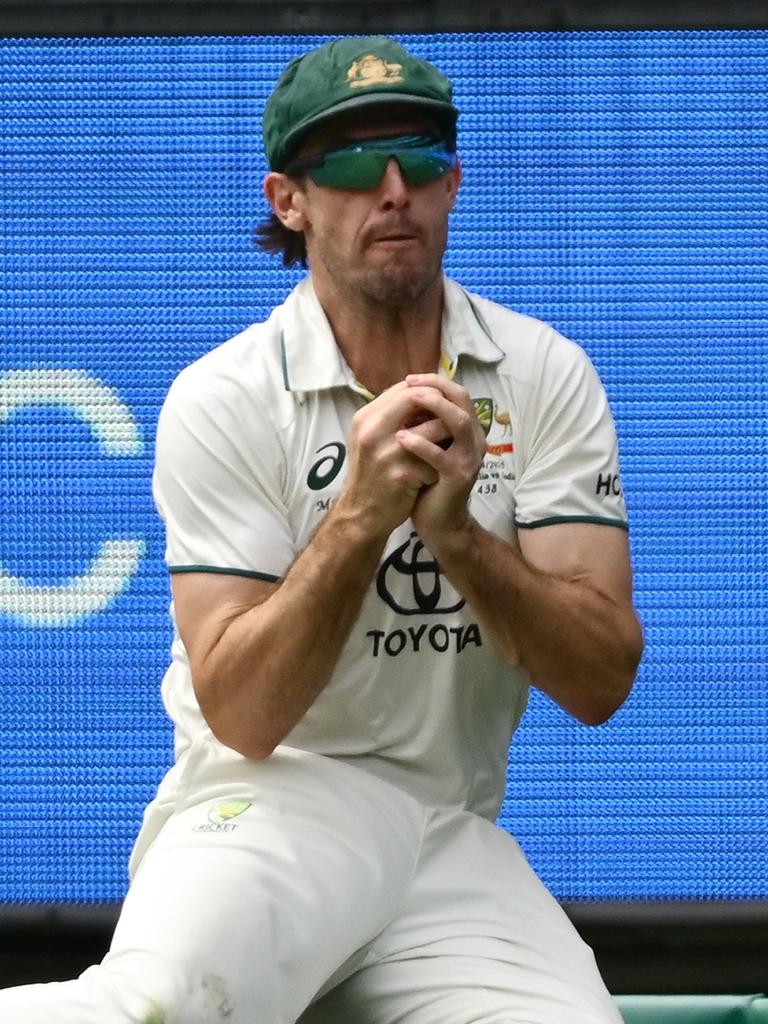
[389,509]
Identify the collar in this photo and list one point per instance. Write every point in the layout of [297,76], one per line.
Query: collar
[464,330]
[312,361]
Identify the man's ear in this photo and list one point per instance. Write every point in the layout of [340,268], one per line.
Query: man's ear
[287,199]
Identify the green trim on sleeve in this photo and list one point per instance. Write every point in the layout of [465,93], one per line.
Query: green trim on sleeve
[573,519]
[178,569]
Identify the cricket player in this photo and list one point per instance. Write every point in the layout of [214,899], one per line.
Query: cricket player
[391,509]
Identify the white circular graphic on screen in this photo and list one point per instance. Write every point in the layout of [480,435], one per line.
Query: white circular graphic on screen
[113,425]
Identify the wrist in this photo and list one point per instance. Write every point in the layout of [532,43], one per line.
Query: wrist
[354,526]
[452,542]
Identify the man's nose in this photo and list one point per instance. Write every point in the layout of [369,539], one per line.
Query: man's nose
[392,187]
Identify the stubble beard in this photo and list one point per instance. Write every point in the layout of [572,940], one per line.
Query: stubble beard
[396,284]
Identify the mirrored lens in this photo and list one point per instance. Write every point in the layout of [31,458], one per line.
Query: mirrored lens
[419,168]
[363,165]
[363,169]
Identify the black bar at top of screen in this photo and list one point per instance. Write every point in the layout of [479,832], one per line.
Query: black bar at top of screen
[84,18]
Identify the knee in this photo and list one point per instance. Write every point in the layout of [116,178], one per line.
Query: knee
[135,987]
[148,989]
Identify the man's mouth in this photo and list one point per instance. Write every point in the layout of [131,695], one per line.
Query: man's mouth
[393,234]
[394,239]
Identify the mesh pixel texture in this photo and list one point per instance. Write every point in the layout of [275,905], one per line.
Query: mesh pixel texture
[615,185]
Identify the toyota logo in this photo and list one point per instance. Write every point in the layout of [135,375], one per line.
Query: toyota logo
[430,592]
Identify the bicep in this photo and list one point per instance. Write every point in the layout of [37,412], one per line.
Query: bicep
[206,603]
[594,553]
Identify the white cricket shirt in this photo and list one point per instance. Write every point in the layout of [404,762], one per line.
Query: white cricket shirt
[250,452]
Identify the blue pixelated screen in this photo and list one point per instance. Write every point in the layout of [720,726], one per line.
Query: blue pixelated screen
[615,184]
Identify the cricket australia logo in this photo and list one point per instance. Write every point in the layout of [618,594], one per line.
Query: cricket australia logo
[219,817]
[231,809]
[489,414]
[426,592]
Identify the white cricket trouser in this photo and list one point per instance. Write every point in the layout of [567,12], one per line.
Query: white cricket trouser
[332,898]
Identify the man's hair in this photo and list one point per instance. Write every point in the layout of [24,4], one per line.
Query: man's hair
[274,237]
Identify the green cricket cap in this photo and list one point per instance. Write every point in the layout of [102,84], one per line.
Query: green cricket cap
[350,74]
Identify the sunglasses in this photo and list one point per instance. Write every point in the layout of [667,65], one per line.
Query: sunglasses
[362,163]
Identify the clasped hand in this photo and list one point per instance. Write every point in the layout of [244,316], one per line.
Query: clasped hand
[414,451]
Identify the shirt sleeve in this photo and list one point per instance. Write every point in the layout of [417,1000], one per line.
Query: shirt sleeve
[570,460]
[218,480]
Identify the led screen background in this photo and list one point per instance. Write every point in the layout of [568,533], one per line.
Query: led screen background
[615,185]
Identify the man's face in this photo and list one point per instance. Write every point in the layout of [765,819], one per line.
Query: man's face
[384,244]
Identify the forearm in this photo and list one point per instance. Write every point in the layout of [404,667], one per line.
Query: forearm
[271,661]
[570,640]
[261,652]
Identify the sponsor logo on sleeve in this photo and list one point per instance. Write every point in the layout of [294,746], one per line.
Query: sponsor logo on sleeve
[608,484]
